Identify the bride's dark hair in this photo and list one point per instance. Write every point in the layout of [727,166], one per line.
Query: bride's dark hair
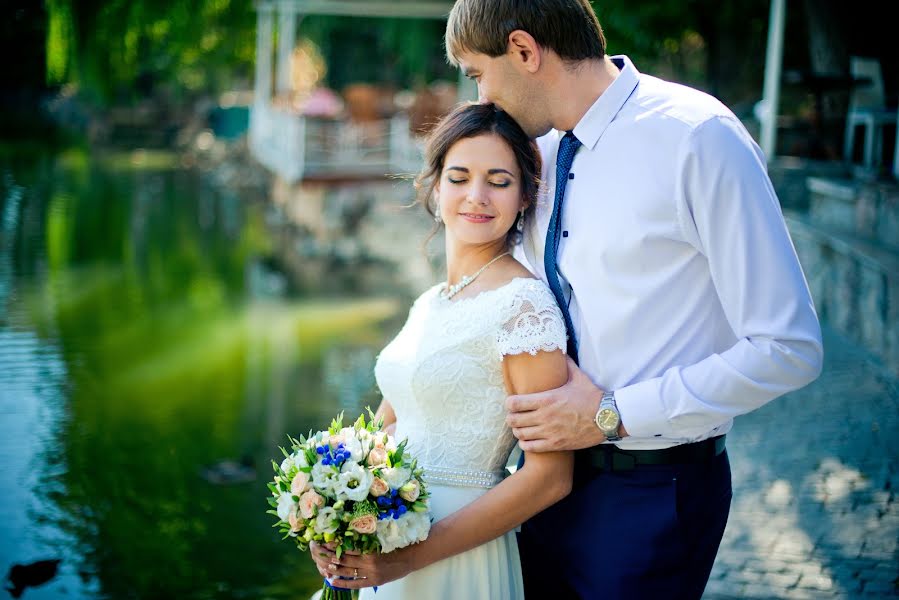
[468,121]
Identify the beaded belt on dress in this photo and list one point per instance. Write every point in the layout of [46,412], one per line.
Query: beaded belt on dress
[461,477]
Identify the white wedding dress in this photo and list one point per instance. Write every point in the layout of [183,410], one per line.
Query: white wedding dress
[443,376]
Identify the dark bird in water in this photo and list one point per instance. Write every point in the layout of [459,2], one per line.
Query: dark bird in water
[30,575]
[230,472]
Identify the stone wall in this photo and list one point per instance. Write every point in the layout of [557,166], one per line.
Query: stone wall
[848,243]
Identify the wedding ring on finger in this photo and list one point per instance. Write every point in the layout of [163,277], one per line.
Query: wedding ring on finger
[355,573]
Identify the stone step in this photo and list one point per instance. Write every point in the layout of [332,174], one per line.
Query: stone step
[854,282]
[866,209]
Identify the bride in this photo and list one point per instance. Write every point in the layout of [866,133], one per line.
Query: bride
[490,330]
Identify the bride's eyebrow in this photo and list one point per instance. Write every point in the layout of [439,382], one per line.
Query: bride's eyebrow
[489,171]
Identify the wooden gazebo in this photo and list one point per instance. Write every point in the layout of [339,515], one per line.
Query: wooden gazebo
[280,137]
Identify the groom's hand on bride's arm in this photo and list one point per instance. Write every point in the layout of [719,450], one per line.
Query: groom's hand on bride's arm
[559,419]
[360,570]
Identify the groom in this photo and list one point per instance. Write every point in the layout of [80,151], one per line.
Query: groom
[663,241]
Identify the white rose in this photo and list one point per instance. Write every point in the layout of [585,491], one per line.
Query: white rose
[286,505]
[287,464]
[324,478]
[389,535]
[354,482]
[351,443]
[417,526]
[396,477]
[327,520]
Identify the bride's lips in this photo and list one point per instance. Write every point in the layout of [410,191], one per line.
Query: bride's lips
[476,218]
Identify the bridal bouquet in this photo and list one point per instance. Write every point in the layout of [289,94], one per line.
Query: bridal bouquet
[354,487]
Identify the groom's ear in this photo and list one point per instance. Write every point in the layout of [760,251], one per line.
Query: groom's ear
[525,51]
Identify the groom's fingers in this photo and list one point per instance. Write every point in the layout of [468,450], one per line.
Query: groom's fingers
[529,402]
[524,420]
[527,434]
[535,446]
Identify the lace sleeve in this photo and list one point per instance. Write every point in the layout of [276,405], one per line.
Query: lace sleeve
[532,323]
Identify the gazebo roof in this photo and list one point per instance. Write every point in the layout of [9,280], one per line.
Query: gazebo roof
[428,9]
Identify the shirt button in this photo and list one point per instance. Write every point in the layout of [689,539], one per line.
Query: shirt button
[571,176]
[565,233]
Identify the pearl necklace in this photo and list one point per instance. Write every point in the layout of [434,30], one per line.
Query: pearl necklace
[449,291]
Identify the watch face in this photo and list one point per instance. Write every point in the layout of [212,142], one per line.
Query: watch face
[607,419]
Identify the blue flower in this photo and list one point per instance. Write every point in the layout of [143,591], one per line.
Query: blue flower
[402,510]
[320,450]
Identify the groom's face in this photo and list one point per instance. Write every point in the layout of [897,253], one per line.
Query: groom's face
[502,84]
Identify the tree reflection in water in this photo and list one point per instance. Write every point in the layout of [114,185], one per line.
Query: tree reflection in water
[175,357]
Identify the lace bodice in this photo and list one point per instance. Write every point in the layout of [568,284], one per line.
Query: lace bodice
[443,375]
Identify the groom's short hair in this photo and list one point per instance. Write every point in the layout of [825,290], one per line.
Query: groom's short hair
[567,27]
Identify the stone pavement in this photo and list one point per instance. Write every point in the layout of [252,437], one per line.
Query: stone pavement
[815,513]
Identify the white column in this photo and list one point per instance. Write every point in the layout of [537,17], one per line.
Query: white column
[263,87]
[287,35]
[773,64]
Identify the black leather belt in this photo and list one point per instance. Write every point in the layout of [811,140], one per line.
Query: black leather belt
[607,457]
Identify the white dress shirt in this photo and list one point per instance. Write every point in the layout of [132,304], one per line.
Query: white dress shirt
[686,294]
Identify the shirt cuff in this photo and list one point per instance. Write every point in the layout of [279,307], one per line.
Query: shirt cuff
[642,411]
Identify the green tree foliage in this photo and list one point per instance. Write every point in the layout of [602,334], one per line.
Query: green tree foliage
[120,50]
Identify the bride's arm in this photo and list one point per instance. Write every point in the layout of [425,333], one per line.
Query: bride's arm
[385,411]
[544,479]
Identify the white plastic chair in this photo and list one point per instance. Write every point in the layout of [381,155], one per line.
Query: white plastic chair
[867,107]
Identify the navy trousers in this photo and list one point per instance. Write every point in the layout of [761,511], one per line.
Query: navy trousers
[649,532]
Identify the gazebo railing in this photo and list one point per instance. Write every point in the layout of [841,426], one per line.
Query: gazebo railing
[294,146]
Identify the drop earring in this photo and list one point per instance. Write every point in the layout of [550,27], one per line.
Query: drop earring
[519,227]
[437,218]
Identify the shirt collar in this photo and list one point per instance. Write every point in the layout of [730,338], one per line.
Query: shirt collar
[597,118]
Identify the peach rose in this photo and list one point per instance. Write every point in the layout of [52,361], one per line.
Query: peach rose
[299,484]
[364,524]
[378,487]
[308,502]
[410,491]
[377,457]
[296,524]
[335,440]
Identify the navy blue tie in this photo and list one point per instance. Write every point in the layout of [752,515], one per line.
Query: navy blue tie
[567,149]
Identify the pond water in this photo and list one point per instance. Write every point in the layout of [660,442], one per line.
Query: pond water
[155,350]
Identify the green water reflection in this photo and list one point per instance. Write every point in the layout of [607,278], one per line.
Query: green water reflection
[179,343]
